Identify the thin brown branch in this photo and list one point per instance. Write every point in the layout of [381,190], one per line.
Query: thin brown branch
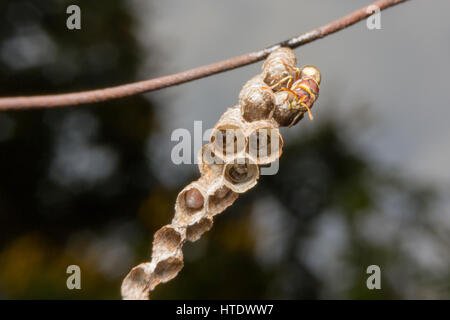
[76,98]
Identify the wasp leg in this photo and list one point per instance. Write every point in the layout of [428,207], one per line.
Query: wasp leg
[267,88]
[311,117]
[313,96]
[300,100]
[281,81]
[289,84]
[289,90]
[297,74]
[297,70]
[299,115]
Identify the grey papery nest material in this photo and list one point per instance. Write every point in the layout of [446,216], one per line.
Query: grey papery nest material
[246,136]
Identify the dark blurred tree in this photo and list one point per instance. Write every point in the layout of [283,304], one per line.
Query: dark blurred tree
[41,191]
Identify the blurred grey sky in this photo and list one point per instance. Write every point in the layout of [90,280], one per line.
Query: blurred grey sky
[388,87]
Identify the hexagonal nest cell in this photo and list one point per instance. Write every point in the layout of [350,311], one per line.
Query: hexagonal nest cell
[241,174]
[190,201]
[221,199]
[265,144]
[228,140]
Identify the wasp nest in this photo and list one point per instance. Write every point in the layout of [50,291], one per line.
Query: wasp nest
[245,137]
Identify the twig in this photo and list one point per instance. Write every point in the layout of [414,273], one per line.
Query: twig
[76,98]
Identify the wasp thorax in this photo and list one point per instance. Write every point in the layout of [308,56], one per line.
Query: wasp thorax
[311,85]
[285,114]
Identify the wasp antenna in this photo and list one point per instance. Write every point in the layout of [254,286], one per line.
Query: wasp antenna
[311,117]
